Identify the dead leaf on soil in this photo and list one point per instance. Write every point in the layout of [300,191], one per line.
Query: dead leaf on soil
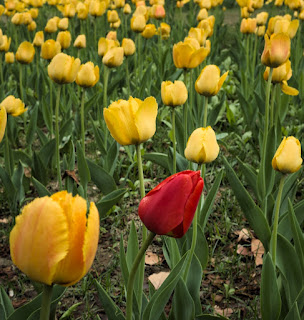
[71,174]
[243,234]
[258,250]
[244,251]
[5,220]
[218,298]
[152,258]
[227,312]
[157,279]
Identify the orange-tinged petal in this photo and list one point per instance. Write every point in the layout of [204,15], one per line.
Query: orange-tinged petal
[39,240]
[70,269]
[3,120]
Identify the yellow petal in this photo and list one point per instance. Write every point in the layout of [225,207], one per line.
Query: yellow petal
[3,120]
[288,90]
[198,57]
[222,80]
[39,240]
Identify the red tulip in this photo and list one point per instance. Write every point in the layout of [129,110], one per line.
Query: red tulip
[169,208]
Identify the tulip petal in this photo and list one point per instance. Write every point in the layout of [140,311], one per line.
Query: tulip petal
[70,269]
[39,240]
[3,120]
[145,118]
[288,90]
[222,80]
[198,57]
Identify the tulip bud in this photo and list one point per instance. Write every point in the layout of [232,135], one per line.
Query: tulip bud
[63,24]
[54,240]
[82,11]
[88,75]
[149,31]
[128,46]
[132,121]
[138,23]
[25,53]
[202,146]
[38,39]
[287,158]
[80,41]
[32,26]
[64,38]
[3,121]
[260,31]
[113,57]
[49,49]
[34,12]
[248,26]
[174,94]
[6,42]
[209,81]
[169,208]
[63,68]
[13,106]
[112,35]
[164,30]
[127,9]
[9,57]
[261,18]
[51,26]
[112,16]
[104,45]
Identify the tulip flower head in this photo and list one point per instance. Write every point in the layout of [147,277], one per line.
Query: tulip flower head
[38,39]
[128,46]
[63,68]
[138,23]
[149,31]
[202,146]
[80,41]
[9,57]
[13,106]
[287,158]
[174,94]
[64,38]
[113,57]
[164,31]
[88,75]
[169,208]
[3,120]
[209,81]
[49,49]
[25,53]
[54,241]
[132,121]
[248,26]
[6,42]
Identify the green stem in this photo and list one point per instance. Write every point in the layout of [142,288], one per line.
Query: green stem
[276,220]
[247,65]
[82,119]
[51,107]
[191,99]
[173,138]
[105,100]
[272,105]
[20,82]
[254,54]
[185,113]
[1,69]
[57,137]
[194,237]
[205,111]
[7,155]
[128,77]
[46,302]
[132,274]
[140,171]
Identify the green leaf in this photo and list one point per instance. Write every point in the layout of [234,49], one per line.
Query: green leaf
[111,159]
[6,307]
[209,317]
[293,313]
[83,170]
[201,248]
[98,136]
[108,201]
[17,181]
[111,309]
[173,256]
[32,126]
[70,310]
[270,295]
[41,189]
[252,212]
[39,169]
[8,184]
[47,152]
[156,305]
[158,158]
[123,261]
[181,162]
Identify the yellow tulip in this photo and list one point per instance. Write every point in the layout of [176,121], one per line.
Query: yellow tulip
[51,26]
[138,23]
[63,68]
[64,38]
[63,24]
[128,46]
[248,26]
[104,45]
[202,146]
[132,121]
[32,26]
[276,50]
[186,56]
[17,19]
[199,34]
[164,31]
[149,31]
[6,42]
[261,18]
[127,9]
[88,75]
[202,15]
[25,53]
[112,16]
[80,41]
[38,39]
[113,57]
[287,158]
[289,27]
[54,241]
[49,49]
[82,11]
[34,12]
[244,12]
[3,120]
[97,8]
[9,57]
[209,81]
[115,25]
[69,10]
[260,31]
[158,11]
[174,94]
[13,106]
[27,18]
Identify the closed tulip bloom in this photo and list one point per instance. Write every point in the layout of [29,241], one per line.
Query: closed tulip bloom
[82,11]
[260,31]
[209,81]
[6,42]
[112,16]
[27,18]
[158,11]
[32,26]
[127,9]
[202,146]
[149,31]
[69,10]
[244,12]
[25,53]
[51,26]
[97,8]
[203,14]
[169,208]
[63,68]
[285,26]
[104,45]
[63,24]
[174,94]
[276,50]
[88,75]
[132,121]
[113,57]
[261,18]
[186,56]
[115,25]
[138,23]
[38,39]
[64,38]
[198,34]
[13,106]
[34,12]
[164,30]
[80,41]
[49,49]
[17,19]
[3,121]
[128,46]
[248,26]
[9,57]
[54,241]
[287,158]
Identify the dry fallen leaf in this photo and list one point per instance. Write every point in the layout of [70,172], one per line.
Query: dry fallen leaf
[152,258]
[223,312]
[4,220]
[157,279]
[244,234]
[258,250]
[243,250]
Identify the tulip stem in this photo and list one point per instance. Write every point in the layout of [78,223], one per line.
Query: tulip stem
[185,112]
[128,77]
[51,107]
[7,159]
[20,82]
[1,69]
[274,235]
[205,111]
[57,137]
[46,302]
[273,94]
[140,171]
[247,64]
[82,119]
[254,55]
[132,274]
[173,139]
[105,100]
